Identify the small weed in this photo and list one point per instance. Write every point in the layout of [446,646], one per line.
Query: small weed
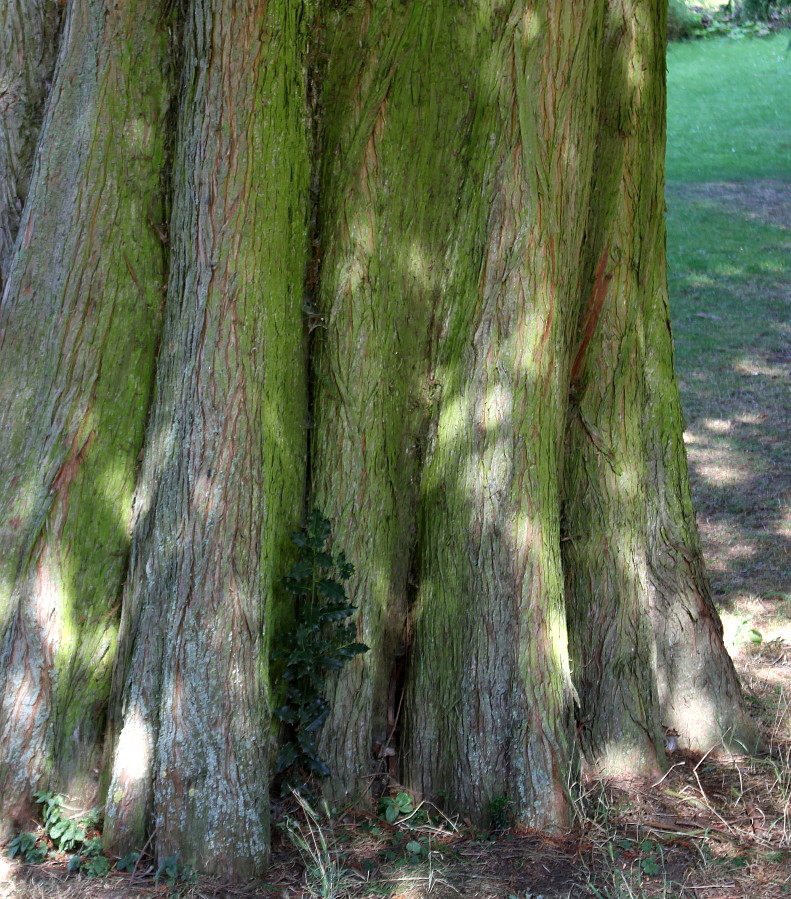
[28,847]
[90,860]
[325,877]
[172,871]
[392,807]
[500,813]
[746,634]
[65,832]
[128,862]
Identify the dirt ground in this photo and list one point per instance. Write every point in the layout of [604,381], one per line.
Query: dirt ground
[711,828]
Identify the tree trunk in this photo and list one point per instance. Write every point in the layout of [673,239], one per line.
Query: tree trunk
[441,191]
[489,695]
[431,237]
[79,325]
[385,234]
[606,537]
[29,31]
[222,483]
[699,691]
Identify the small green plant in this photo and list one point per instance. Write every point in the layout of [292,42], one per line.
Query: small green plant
[417,850]
[392,807]
[746,634]
[647,854]
[321,640]
[64,831]
[90,860]
[500,812]
[172,870]
[128,862]
[28,847]
[650,858]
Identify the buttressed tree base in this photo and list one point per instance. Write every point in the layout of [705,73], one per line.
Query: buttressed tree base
[400,261]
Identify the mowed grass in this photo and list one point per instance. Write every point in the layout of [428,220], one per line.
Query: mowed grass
[729,109]
[729,259]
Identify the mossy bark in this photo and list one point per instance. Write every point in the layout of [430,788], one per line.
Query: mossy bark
[463,201]
[222,483]
[489,698]
[447,280]
[29,32]
[384,238]
[79,326]
[605,539]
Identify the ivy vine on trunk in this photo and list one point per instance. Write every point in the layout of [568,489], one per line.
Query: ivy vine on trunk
[321,640]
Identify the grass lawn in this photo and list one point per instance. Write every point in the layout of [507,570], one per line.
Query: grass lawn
[729,109]
[729,258]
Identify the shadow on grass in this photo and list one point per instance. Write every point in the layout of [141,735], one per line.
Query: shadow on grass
[730,284]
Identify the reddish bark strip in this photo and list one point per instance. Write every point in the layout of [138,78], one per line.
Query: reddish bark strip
[601,282]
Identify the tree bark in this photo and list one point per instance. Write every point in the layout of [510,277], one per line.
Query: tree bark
[429,237]
[29,32]
[489,695]
[384,232]
[699,691]
[223,474]
[447,267]
[79,325]
[606,528]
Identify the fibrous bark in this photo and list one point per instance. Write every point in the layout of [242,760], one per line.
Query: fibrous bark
[463,204]
[489,698]
[222,482]
[79,324]
[605,496]
[447,284]
[29,31]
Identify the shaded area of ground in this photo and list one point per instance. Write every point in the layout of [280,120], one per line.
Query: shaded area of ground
[732,326]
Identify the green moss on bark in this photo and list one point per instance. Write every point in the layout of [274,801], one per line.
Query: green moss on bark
[224,464]
[78,333]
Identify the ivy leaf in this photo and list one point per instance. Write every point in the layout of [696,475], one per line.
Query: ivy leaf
[331,663]
[337,612]
[285,714]
[286,757]
[128,862]
[331,589]
[323,560]
[318,767]
[316,723]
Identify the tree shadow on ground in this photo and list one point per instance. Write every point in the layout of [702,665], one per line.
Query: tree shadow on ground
[731,311]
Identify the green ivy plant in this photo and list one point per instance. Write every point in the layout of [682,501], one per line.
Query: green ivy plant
[321,640]
[28,847]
